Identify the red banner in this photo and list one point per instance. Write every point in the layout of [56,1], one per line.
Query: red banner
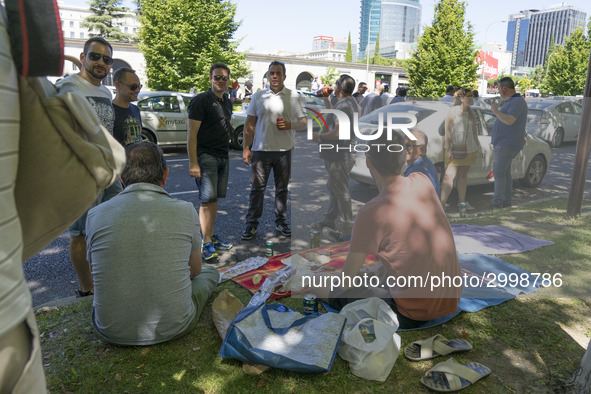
[489,63]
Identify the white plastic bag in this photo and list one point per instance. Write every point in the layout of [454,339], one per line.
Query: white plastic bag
[370,343]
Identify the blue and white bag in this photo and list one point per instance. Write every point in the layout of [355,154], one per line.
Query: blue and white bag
[276,336]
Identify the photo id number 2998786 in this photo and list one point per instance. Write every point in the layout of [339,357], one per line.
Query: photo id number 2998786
[522,280]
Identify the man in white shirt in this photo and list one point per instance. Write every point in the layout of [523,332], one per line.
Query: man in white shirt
[273,114]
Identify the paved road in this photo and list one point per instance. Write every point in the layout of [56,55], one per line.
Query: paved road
[50,275]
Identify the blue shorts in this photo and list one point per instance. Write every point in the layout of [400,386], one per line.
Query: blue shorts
[78,229]
[214,177]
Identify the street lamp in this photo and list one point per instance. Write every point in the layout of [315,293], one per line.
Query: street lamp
[368,37]
[548,65]
[484,52]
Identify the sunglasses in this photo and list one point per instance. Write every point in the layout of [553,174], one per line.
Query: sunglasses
[108,60]
[135,86]
[221,78]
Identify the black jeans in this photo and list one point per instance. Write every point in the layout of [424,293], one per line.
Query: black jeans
[261,166]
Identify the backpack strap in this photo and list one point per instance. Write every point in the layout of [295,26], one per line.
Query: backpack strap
[36,38]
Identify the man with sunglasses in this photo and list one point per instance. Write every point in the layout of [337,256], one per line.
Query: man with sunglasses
[417,160]
[128,121]
[207,146]
[361,89]
[272,116]
[96,59]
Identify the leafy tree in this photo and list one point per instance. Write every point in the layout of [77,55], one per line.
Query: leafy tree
[330,77]
[180,40]
[104,13]
[524,84]
[567,68]
[382,61]
[376,52]
[349,53]
[446,54]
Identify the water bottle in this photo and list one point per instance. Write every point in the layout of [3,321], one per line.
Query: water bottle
[462,209]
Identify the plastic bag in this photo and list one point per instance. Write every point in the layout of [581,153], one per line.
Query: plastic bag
[370,343]
[225,307]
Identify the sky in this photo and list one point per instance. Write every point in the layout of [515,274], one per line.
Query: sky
[291,25]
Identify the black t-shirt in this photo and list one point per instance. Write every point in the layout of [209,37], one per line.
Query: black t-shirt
[349,106]
[128,124]
[215,130]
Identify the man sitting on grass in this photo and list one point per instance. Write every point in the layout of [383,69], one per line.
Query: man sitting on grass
[145,251]
[405,227]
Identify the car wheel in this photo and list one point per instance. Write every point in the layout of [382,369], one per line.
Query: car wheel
[238,137]
[535,172]
[148,136]
[557,138]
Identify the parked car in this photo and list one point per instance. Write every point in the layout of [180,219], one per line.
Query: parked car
[554,120]
[529,166]
[164,118]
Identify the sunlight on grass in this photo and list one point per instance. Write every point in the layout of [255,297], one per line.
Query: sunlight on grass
[179,375]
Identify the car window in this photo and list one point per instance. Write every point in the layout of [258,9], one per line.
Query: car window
[144,105]
[577,108]
[489,120]
[187,100]
[165,104]
[538,104]
[534,116]
[564,108]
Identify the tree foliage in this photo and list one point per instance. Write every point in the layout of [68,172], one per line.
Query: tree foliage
[104,14]
[381,61]
[330,77]
[446,54]
[567,65]
[376,52]
[180,40]
[349,52]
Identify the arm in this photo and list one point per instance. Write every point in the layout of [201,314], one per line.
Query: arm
[194,170]
[449,125]
[329,135]
[251,122]
[300,124]
[195,263]
[503,117]
[474,130]
[353,264]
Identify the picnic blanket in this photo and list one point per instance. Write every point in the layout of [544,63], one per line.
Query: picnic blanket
[493,240]
[337,252]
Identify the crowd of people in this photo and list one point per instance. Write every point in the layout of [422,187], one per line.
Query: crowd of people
[140,252]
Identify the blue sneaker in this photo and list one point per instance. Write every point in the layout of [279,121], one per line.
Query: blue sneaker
[218,244]
[208,251]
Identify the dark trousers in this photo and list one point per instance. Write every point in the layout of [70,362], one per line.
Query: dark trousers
[260,169]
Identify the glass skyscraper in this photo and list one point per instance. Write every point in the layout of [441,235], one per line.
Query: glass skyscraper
[530,32]
[396,20]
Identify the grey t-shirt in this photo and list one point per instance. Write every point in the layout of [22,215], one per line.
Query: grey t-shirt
[139,244]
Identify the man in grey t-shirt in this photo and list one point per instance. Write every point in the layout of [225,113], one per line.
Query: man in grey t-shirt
[145,251]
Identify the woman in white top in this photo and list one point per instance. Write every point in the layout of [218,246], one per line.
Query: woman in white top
[461,146]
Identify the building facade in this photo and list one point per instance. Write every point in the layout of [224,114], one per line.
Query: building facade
[396,21]
[530,32]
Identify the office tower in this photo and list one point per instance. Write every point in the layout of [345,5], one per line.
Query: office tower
[396,20]
[530,32]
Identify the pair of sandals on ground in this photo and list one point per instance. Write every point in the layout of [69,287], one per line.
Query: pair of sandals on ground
[448,375]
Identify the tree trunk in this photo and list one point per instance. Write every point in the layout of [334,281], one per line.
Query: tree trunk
[580,382]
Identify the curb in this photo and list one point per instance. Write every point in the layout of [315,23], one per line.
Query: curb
[61,302]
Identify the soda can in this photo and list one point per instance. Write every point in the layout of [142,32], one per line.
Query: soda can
[310,305]
[462,209]
[269,249]
[314,239]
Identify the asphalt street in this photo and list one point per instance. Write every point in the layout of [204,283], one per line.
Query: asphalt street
[50,275]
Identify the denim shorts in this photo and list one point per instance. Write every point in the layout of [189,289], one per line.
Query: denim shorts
[214,177]
[79,227]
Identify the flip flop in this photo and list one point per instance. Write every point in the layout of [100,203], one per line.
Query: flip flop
[450,375]
[435,346]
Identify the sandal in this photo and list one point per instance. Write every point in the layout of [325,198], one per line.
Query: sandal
[450,375]
[435,346]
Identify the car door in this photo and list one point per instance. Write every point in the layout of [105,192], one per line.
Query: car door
[567,120]
[480,172]
[167,119]
[577,114]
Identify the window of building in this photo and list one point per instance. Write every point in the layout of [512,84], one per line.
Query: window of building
[126,29]
[81,35]
[71,34]
[71,23]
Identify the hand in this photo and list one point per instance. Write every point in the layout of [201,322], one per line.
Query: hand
[283,125]
[247,156]
[494,107]
[195,171]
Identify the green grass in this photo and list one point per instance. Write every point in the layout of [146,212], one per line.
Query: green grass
[525,342]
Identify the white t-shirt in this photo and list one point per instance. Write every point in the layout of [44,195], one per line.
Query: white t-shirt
[99,98]
[267,107]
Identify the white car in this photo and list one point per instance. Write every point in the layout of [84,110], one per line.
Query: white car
[164,118]
[554,120]
[530,165]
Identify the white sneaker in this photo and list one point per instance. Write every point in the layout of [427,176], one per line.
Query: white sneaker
[468,206]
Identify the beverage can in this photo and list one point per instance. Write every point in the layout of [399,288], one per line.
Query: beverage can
[310,305]
[462,209]
[314,239]
[269,249]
